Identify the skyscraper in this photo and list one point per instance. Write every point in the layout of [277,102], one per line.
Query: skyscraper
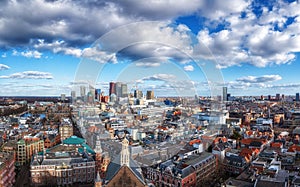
[150,94]
[97,94]
[124,90]
[224,93]
[112,88]
[118,89]
[138,94]
[73,94]
[278,97]
[82,91]
[297,96]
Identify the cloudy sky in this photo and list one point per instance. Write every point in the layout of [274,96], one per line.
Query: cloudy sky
[162,45]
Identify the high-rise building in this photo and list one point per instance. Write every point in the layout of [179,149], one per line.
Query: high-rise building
[112,88]
[97,94]
[278,97]
[73,95]
[224,93]
[138,94]
[82,91]
[297,97]
[150,94]
[118,89]
[124,90]
[63,97]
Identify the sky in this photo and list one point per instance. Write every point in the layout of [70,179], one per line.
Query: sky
[47,47]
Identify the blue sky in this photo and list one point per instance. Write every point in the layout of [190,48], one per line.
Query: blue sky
[253,44]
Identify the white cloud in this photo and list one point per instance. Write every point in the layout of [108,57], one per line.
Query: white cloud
[28,54]
[216,9]
[4,67]
[58,46]
[159,77]
[99,55]
[189,68]
[28,75]
[4,55]
[260,79]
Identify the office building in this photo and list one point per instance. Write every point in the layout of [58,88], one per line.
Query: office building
[138,94]
[124,90]
[82,91]
[112,88]
[150,94]
[224,93]
[73,95]
[297,97]
[118,89]
[63,97]
[97,94]
[277,97]
[269,97]
[92,92]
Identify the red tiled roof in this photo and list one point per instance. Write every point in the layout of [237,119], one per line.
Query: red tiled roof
[194,141]
[276,144]
[294,148]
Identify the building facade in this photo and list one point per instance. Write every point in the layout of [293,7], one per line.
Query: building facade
[65,129]
[27,148]
[7,169]
[188,172]
[66,164]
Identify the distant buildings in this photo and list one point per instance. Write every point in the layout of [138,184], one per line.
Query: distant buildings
[150,94]
[124,90]
[224,93]
[112,88]
[98,94]
[82,91]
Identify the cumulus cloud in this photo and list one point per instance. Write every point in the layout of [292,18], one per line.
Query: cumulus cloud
[189,68]
[242,36]
[58,46]
[4,67]
[28,54]
[159,77]
[80,21]
[261,79]
[28,75]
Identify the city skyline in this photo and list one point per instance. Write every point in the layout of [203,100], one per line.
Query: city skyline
[254,44]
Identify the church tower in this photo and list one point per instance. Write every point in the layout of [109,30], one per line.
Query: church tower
[98,181]
[98,151]
[125,155]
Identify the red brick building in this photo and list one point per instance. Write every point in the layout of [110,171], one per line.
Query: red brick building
[7,169]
